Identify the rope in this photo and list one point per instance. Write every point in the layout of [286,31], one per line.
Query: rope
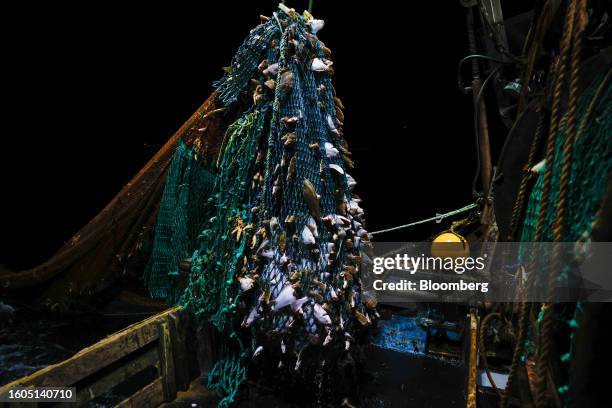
[593,104]
[517,211]
[554,117]
[546,16]
[519,203]
[483,351]
[280,26]
[519,351]
[541,369]
[575,22]
[438,218]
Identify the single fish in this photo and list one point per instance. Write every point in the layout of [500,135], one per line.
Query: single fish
[291,169]
[289,140]
[253,315]
[295,276]
[307,236]
[337,169]
[350,182]
[369,299]
[270,70]
[315,25]
[246,283]
[270,84]
[284,298]
[330,150]
[321,315]
[262,65]
[332,126]
[312,200]
[361,318]
[290,122]
[286,82]
[296,306]
[319,66]
[328,338]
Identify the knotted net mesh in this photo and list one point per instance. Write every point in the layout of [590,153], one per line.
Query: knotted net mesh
[274,266]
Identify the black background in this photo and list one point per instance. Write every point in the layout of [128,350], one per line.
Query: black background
[91,91]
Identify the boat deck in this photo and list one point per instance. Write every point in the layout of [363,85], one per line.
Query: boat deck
[152,358]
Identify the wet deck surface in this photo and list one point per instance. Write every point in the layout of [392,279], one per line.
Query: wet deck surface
[390,380]
[393,377]
[403,380]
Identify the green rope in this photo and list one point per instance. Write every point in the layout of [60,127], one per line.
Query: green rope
[437,218]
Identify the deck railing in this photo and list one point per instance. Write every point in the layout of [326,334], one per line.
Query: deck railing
[157,342]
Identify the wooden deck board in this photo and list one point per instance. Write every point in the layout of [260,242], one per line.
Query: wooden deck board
[116,377]
[148,397]
[93,358]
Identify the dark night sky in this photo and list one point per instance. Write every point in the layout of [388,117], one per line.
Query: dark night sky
[91,91]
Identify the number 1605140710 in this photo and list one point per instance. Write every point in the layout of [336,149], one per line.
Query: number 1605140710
[39,394]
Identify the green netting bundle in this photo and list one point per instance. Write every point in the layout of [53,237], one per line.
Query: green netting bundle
[275,266]
[179,221]
[590,168]
[591,165]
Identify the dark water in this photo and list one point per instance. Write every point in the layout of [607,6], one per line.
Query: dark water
[25,348]
[32,341]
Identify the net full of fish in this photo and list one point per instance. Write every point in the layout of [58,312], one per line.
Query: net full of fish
[276,269]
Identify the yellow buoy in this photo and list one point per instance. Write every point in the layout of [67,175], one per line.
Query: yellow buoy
[449,244]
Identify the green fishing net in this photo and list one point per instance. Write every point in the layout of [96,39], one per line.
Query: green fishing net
[590,169]
[180,220]
[273,239]
[591,165]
